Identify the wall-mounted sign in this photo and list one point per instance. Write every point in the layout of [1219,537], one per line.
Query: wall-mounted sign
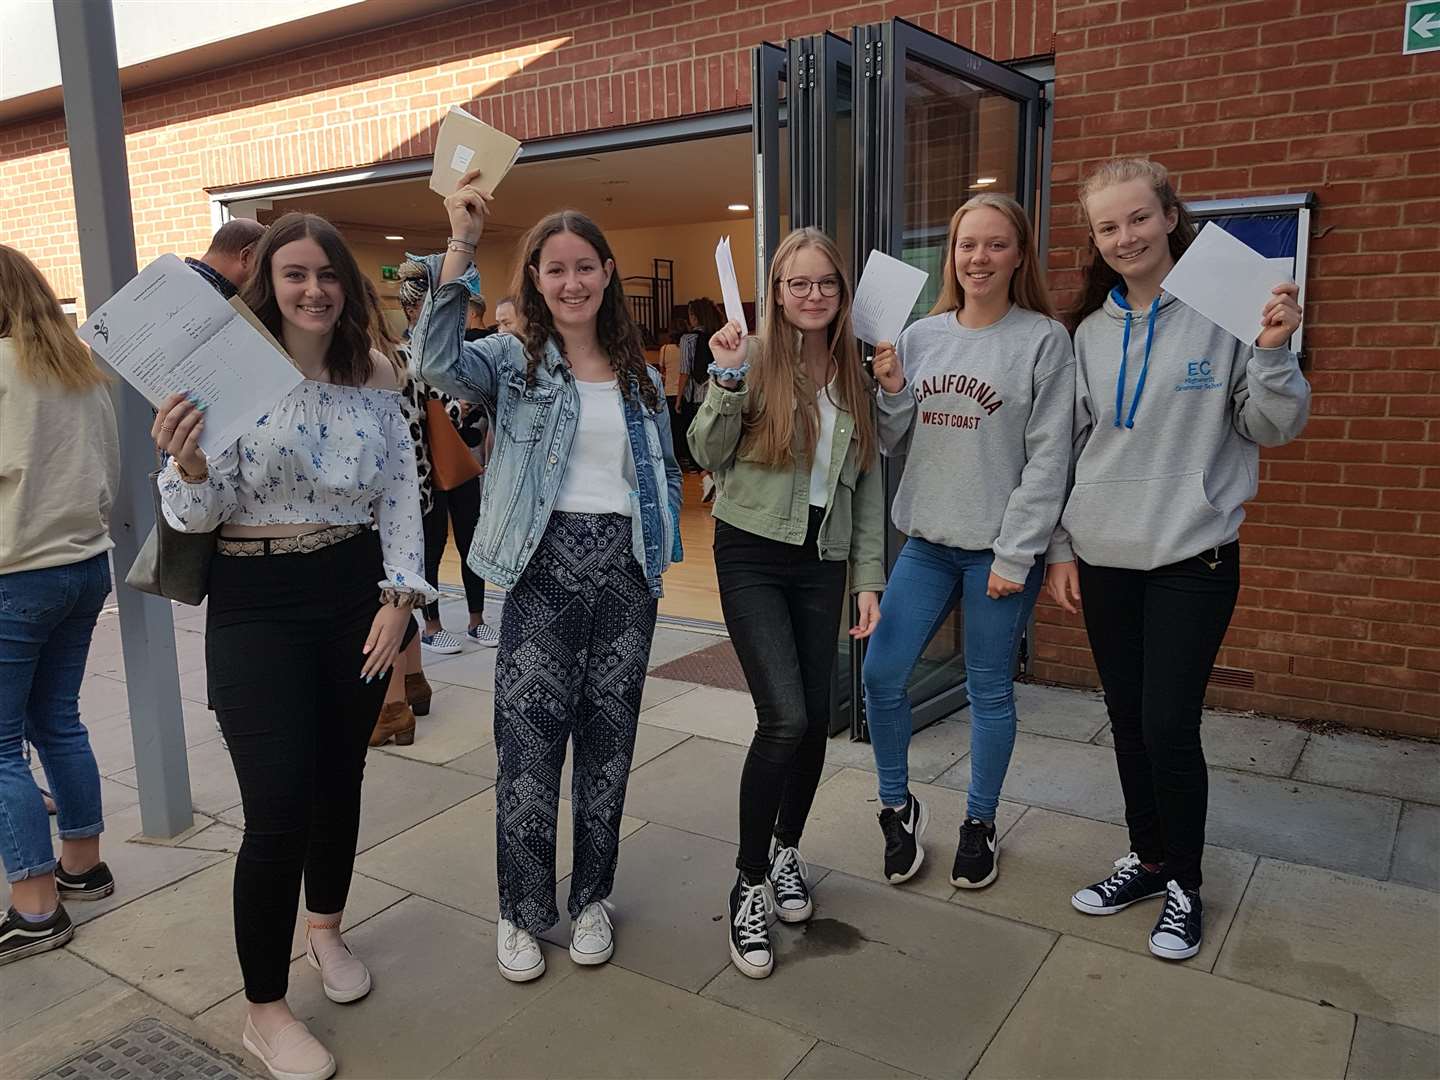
[1422,26]
[389,273]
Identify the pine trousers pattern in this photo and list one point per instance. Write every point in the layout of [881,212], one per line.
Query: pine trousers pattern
[574,646]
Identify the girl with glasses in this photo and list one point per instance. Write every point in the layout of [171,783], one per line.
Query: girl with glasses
[788,429]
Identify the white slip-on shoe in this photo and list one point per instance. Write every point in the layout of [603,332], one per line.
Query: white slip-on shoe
[294,1054]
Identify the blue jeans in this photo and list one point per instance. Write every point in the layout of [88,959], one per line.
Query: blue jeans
[927,582]
[46,620]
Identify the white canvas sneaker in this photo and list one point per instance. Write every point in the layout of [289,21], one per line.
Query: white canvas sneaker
[517,953]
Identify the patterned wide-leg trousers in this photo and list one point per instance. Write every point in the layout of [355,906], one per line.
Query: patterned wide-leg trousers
[574,645]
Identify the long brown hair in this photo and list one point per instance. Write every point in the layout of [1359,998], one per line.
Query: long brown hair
[1099,276]
[1027,284]
[780,385]
[45,342]
[347,361]
[616,331]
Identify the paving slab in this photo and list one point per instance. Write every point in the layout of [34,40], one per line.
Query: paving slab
[1092,1009]
[659,691]
[113,743]
[109,660]
[1059,712]
[474,668]
[177,944]
[1300,822]
[843,833]
[1056,773]
[31,986]
[932,750]
[1362,945]
[101,697]
[460,720]
[695,787]
[1402,768]
[677,933]
[608,1022]
[881,965]
[399,794]
[1391,1052]
[671,644]
[1417,847]
[1047,856]
[217,836]
[451,856]
[1244,742]
[829,1062]
[213,787]
[437,993]
[726,715]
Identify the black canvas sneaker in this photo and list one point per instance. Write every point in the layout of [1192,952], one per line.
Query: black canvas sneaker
[20,937]
[1129,884]
[787,881]
[94,884]
[977,856]
[1177,932]
[903,830]
[750,929]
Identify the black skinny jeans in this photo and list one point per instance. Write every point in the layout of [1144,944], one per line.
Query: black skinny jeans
[782,606]
[283,644]
[457,509]
[1155,634]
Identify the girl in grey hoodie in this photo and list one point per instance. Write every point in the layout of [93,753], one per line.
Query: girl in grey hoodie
[1170,415]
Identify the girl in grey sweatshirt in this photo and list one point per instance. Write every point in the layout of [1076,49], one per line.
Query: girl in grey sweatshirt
[1170,415]
[982,411]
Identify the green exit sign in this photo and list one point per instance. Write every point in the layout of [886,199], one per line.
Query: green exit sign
[1422,26]
[389,273]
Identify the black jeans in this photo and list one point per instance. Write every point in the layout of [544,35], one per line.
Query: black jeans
[782,606]
[1155,634]
[283,644]
[458,509]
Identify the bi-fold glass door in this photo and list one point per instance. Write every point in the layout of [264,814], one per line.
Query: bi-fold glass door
[877,141]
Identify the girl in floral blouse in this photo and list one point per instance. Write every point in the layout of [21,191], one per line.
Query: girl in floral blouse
[308,606]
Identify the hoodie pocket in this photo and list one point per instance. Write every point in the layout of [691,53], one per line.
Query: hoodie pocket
[1141,524]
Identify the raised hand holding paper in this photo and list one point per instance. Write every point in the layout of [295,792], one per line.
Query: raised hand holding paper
[1227,281]
[729,284]
[167,331]
[885,297]
[465,143]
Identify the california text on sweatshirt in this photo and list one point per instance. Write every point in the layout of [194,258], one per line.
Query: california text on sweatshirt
[987,414]
[1170,415]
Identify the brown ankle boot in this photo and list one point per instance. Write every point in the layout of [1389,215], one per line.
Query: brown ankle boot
[396,722]
[417,693]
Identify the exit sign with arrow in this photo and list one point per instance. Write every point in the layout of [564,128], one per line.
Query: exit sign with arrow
[1422,26]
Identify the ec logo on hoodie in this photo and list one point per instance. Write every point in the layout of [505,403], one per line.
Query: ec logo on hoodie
[1199,375]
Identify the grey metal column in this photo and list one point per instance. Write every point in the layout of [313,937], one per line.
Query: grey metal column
[90,77]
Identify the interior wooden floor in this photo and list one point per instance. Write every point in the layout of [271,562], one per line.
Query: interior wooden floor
[690,591]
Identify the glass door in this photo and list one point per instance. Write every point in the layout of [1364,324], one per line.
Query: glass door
[935,124]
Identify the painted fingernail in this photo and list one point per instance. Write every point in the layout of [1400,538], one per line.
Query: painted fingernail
[369,678]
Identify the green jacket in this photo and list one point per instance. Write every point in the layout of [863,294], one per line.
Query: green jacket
[775,502]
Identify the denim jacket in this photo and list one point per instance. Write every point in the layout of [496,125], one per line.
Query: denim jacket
[535,429]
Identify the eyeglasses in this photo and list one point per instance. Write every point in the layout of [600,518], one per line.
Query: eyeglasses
[800,287]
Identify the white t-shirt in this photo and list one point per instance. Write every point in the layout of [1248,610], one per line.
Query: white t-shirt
[599,476]
[824,445]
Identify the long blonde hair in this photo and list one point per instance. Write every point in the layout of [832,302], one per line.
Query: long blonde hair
[30,316]
[780,385]
[1027,285]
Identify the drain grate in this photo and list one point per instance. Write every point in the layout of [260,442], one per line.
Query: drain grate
[716,665]
[146,1049]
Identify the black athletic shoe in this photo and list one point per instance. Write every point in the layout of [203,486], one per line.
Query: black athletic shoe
[903,830]
[787,882]
[20,937]
[1177,932]
[95,884]
[750,929]
[1129,884]
[977,856]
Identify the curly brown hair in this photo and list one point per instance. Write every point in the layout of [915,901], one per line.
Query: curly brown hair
[616,330]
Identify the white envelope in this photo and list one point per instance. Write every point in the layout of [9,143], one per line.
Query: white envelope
[1227,281]
[465,143]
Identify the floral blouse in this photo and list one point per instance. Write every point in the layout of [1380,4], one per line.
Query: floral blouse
[326,454]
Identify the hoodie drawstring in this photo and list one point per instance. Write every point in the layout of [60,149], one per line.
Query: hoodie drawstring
[1144,366]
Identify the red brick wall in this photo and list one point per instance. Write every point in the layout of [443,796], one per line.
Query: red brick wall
[1339,616]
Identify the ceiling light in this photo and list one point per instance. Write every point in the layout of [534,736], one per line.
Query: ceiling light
[394,238]
[984,181]
[739,207]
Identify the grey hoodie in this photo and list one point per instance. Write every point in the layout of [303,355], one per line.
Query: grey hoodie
[987,417]
[1168,433]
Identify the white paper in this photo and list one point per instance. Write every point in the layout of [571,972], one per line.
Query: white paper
[885,298]
[1227,281]
[460,160]
[168,331]
[729,284]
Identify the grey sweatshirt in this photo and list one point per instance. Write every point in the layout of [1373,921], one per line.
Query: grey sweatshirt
[1166,453]
[984,417]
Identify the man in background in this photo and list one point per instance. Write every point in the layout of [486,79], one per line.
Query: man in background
[507,320]
[475,327]
[226,264]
